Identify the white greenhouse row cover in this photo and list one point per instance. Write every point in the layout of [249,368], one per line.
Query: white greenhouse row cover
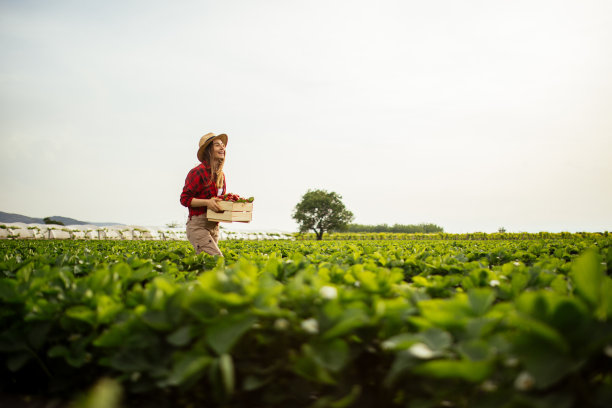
[19,230]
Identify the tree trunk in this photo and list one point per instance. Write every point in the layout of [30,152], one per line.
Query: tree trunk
[319,234]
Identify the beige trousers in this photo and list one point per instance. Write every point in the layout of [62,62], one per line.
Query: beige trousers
[203,235]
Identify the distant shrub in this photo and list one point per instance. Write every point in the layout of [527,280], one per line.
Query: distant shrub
[398,228]
[48,220]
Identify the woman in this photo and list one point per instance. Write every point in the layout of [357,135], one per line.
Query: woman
[202,186]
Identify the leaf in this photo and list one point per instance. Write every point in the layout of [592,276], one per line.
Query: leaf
[163,284]
[222,335]
[17,361]
[473,371]
[480,327]
[547,365]
[519,282]
[333,355]
[350,320]
[181,336]
[569,316]
[348,399]
[12,340]
[404,361]
[252,382]
[157,319]
[107,309]
[559,285]
[82,313]
[533,327]
[421,281]
[310,368]
[188,368]
[37,334]
[105,394]
[588,277]
[114,335]
[130,332]
[24,272]
[226,365]
[400,341]
[58,351]
[76,357]
[481,300]
[436,339]
[475,350]
[447,313]
[605,309]
[8,291]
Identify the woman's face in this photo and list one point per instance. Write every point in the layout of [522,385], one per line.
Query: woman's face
[218,149]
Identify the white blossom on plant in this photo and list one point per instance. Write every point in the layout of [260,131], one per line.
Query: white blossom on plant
[328,292]
[524,381]
[421,350]
[310,325]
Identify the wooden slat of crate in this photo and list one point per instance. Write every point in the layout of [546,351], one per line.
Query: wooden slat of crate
[233,212]
[242,216]
[230,206]
[230,216]
[225,216]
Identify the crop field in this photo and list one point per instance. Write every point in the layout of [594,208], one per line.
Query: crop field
[337,323]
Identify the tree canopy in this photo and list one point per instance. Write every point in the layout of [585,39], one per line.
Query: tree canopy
[49,220]
[322,211]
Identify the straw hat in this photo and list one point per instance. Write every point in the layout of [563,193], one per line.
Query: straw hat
[205,141]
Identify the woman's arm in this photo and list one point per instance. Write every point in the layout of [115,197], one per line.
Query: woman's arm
[193,186]
[206,202]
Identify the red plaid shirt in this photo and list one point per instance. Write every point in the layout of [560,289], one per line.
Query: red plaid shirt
[198,184]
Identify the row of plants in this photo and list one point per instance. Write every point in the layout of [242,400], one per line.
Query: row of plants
[323,324]
[503,236]
[61,232]
[14,231]
[396,228]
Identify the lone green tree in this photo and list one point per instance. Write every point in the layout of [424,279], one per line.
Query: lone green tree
[321,211]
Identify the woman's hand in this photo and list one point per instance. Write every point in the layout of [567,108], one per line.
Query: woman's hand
[213,205]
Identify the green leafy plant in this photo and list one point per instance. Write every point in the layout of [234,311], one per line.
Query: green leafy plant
[516,323]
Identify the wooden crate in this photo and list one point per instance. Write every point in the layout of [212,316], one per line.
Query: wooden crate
[232,212]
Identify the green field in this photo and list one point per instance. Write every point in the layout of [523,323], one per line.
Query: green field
[360,323]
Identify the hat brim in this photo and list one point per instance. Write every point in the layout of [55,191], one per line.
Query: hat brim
[200,154]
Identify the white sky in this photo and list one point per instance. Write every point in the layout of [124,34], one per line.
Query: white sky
[469,114]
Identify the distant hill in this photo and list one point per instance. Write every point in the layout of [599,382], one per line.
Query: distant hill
[8,217]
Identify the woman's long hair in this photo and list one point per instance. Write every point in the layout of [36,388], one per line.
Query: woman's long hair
[216,166]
